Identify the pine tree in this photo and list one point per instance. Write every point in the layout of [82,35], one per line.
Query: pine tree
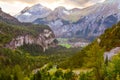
[95,60]
[106,60]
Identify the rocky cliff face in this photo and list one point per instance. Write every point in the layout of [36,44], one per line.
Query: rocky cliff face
[111,53]
[45,40]
[17,34]
[29,14]
[84,23]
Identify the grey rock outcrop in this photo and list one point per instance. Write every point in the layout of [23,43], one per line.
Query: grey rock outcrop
[45,40]
[111,53]
[85,23]
[29,14]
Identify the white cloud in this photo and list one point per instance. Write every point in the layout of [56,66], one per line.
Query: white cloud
[15,6]
[12,8]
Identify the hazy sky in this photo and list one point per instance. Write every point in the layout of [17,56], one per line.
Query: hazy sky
[15,6]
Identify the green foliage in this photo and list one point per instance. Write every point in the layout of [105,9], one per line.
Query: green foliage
[85,76]
[55,55]
[59,73]
[18,74]
[37,76]
[9,31]
[27,63]
[4,38]
[92,57]
[113,68]
[68,75]
[95,60]
[19,64]
[66,45]
[5,74]
[111,37]
[33,49]
[77,60]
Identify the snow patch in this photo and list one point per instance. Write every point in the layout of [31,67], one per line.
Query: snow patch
[27,14]
[66,12]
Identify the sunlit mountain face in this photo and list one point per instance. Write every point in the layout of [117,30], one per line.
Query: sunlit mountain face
[87,23]
[59,39]
[52,4]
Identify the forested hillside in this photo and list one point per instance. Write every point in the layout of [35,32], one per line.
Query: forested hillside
[30,52]
[18,64]
[92,56]
[9,31]
[107,41]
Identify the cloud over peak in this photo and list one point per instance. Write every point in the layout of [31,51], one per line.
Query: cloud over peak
[13,6]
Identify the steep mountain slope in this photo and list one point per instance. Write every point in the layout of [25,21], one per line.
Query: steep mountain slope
[4,17]
[14,34]
[20,46]
[83,23]
[109,41]
[29,14]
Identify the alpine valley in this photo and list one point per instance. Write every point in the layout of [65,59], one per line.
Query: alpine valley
[76,44]
[86,23]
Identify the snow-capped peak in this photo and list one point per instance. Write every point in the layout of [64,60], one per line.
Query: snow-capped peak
[30,14]
[27,14]
[66,12]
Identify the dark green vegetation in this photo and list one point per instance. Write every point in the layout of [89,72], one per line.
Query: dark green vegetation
[10,59]
[54,55]
[91,57]
[109,40]
[18,64]
[29,62]
[99,70]
[8,31]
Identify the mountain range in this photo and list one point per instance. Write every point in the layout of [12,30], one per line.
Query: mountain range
[87,23]
[31,52]
[4,17]
[14,34]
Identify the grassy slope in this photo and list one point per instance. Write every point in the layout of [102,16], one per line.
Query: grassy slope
[110,39]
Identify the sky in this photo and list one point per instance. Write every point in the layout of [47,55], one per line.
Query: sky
[15,6]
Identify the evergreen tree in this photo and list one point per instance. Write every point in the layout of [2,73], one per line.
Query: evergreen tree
[37,76]
[106,60]
[95,60]
[18,74]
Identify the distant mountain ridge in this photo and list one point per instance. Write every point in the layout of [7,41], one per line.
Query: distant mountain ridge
[14,34]
[85,23]
[29,14]
[7,18]
[109,41]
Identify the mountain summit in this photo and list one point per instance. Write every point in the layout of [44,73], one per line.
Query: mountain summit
[30,14]
[85,23]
